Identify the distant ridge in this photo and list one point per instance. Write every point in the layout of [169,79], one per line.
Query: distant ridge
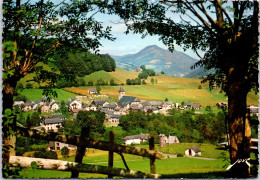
[158,59]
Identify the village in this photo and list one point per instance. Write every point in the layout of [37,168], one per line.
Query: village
[52,122]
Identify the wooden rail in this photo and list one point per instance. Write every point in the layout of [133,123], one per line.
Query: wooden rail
[51,164]
[90,143]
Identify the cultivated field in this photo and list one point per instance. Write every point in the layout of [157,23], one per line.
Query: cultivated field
[174,88]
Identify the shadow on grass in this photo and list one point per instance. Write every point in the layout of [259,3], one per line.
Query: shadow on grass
[218,174]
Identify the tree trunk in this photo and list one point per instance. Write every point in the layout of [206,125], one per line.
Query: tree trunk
[8,141]
[239,128]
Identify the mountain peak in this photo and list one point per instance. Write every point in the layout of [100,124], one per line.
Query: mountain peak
[158,59]
[152,47]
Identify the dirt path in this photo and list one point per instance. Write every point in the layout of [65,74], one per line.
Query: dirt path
[201,158]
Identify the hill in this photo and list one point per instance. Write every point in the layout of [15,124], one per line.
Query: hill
[199,73]
[176,89]
[158,59]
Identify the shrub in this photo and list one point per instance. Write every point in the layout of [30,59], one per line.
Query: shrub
[179,155]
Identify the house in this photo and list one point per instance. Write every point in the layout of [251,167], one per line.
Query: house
[54,106]
[111,107]
[93,91]
[253,110]
[18,103]
[145,104]
[167,105]
[56,146]
[136,139]
[44,108]
[52,122]
[114,119]
[196,106]
[187,105]
[194,150]
[74,104]
[214,86]
[100,103]
[167,140]
[28,106]
[127,101]
[156,104]
[138,70]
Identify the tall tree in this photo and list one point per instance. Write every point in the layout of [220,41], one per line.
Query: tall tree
[228,33]
[32,31]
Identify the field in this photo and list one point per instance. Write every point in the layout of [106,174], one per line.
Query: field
[174,88]
[181,167]
[36,94]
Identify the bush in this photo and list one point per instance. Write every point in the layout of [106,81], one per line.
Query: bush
[179,155]
[46,155]
[29,86]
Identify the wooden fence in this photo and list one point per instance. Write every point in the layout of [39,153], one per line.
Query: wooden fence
[89,143]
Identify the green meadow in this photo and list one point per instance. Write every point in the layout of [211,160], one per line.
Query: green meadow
[36,94]
[176,89]
[180,167]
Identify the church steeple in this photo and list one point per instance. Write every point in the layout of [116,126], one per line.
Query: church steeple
[121,92]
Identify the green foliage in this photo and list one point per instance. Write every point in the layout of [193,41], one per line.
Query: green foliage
[179,155]
[91,121]
[29,86]
[143,75]
[135,81]
[65,152]
[199,87]
[143,67]
[162,72]
[46,155]
[166,99]
[143,81]
[152,80]
[112,82]
[208,108]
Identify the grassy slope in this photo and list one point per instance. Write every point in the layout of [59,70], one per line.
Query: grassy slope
[31,75]
[36,94]
[174,88]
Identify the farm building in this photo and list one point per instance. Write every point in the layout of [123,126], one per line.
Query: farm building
[169,140]
[114,119]
[92,91]
[136,139]
[56,146]
[194,150]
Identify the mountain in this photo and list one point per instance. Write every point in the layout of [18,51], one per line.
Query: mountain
[158,59]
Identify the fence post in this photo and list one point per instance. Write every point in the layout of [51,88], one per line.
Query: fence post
[111,154]
[152,159]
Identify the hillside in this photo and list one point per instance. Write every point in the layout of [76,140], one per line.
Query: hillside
[199,73]
[158,59]
[176,89]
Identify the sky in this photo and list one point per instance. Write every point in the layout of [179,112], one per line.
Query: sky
[130,43]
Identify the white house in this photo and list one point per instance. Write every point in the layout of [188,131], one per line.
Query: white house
[54,106]
[92,91]
[135,139]
[194,150]
[74,104]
